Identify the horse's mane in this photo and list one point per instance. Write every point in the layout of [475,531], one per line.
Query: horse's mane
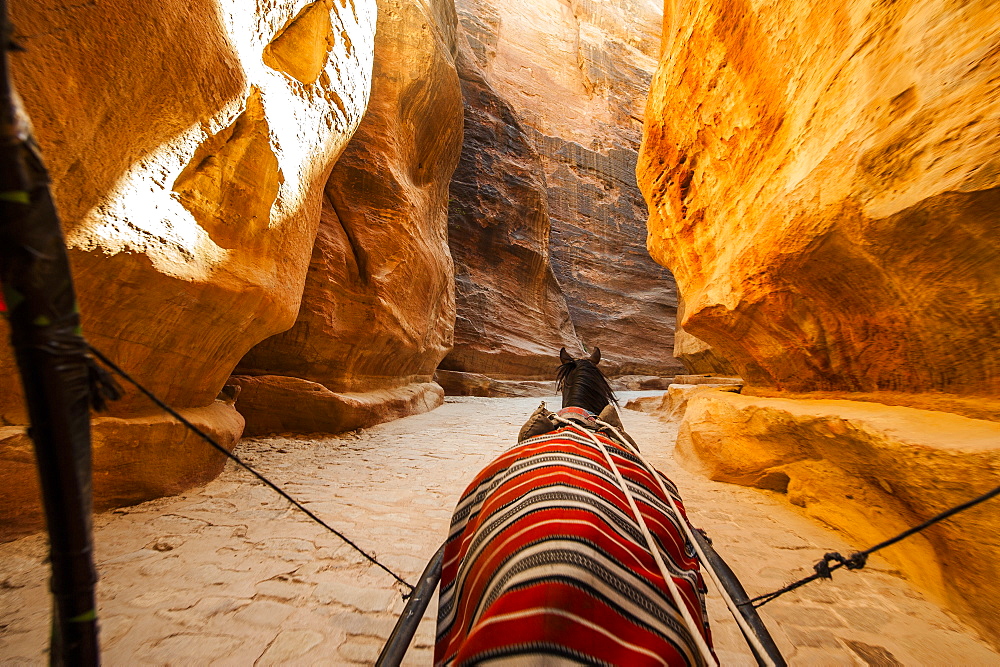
[589,389]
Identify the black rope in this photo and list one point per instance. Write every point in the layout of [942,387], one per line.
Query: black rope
[236,459]
[857,560]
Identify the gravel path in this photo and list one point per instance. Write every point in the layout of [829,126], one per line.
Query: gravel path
[227,574]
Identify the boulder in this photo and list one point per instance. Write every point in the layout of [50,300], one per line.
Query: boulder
[675,401]
[640,382]
[378,310]
[189,175]
[475,384]
[823,183]
[870,471]
[134,459]
[280,401]
[671,404]
[649,404]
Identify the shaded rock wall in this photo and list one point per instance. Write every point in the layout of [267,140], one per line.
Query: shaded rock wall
[511,315]
[378,310]
[620,300]
[189,175]
[697,355]
[823,183]
[575,75]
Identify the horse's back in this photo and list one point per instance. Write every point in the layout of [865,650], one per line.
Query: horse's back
[545,563]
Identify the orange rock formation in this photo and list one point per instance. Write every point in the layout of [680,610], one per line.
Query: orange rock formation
[379,308]
[189,176]
[697,355]
[871,471]
[823,184]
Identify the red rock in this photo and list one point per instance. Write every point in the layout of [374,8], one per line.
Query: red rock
[575,75]
[512,317]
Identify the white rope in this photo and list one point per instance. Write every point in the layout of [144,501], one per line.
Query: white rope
[750,635]
[692,625]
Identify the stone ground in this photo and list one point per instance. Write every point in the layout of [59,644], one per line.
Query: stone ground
[227,574]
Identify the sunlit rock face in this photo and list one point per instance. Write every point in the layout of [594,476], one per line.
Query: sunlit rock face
[823,182]
[575,74]
[871,471]
[512,317]
[188,143]
[378,311]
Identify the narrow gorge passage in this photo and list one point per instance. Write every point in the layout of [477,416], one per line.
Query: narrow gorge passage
[305,217]
[228,574]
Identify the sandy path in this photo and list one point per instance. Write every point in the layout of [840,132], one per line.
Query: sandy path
[227,574]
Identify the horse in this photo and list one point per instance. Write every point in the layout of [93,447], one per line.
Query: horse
[546,561]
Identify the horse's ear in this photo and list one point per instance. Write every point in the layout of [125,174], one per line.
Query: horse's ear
[564,356]
[596,356]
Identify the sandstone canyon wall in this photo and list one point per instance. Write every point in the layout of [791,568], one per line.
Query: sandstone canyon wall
[512,316]
[697,356]
[834,199]
[571,77]
[189,144]
[823,183]
[379,309]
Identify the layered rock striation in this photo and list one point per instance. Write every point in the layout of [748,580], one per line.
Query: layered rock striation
[512,316]
[188,143]
[574,75]
[619,299]
[378,310]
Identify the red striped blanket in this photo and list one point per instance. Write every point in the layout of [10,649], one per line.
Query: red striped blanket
[545,563]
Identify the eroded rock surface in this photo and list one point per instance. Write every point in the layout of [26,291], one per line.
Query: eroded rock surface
[619,299]
[870,471]
[575,75]
[696,355]
[378,310]
[189,176]
[512,317]
[823,182]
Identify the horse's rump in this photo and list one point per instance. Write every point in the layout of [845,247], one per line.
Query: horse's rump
[545,559]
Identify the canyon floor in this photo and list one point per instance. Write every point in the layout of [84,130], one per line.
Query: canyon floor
[229,574]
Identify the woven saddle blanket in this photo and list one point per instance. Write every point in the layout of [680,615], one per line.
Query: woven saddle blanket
[545,563]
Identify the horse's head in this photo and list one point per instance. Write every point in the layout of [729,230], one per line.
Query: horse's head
[582,383]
